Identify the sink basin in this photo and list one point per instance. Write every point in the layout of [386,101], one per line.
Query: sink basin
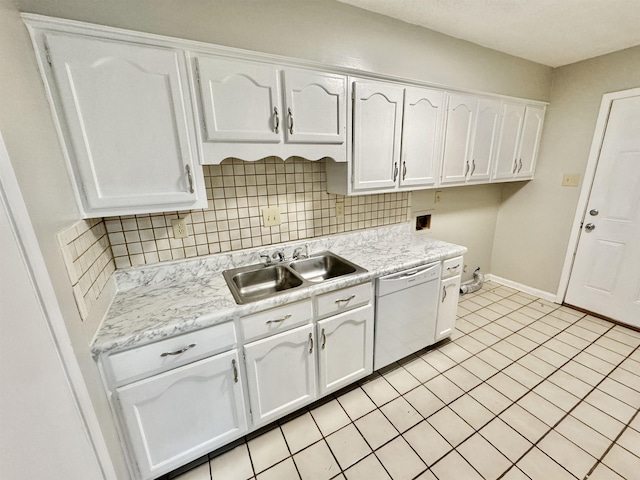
[322,267]
[257,282]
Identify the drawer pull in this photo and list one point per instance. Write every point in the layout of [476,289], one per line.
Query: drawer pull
[345,300]
[311,343]
[178,352]
[324,339]
[235,370]
[453,268]
[279,320]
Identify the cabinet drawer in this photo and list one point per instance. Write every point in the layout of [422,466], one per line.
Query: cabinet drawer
[276,320]
[342,300]
[452,267]
[170,353]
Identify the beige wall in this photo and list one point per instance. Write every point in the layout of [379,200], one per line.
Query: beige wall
[321,30]
[535,217]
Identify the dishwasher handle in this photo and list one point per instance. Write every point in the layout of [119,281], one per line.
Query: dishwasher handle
[408,278]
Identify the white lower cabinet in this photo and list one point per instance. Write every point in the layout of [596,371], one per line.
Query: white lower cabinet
[281,373]
[447,307]
[177,416]
[345,350]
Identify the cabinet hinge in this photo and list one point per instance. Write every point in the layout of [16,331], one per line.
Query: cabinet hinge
[47,55]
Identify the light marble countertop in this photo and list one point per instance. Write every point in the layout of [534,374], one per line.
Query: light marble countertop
[162,300]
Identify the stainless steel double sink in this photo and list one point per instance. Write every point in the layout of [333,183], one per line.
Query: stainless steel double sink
[259,281]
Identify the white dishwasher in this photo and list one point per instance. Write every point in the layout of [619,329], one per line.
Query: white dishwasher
[406,310]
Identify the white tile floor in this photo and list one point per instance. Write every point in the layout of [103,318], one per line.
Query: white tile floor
[525,389]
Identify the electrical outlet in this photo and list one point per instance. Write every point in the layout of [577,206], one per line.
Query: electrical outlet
[271,216]
[570,180]
[340,210]
[179,226]
[436,198]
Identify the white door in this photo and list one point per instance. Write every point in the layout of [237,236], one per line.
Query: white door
[421,136]
[281,373]
[240,101]
[484,140]
[315,107]
[506,162]
[447,307]
[345,349]
[179,415]
[128,114]
[458,142]
[530,141]
[605,278]
[377,124]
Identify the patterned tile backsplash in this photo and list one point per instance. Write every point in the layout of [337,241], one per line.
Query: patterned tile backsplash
[89,261]
[237,193]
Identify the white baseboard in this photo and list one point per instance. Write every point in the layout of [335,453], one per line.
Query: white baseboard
[551,297]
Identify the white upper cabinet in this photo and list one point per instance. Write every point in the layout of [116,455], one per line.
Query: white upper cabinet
[421,136]
[377,124]
[251,110]
[470,139]
[520,131]
[125,114]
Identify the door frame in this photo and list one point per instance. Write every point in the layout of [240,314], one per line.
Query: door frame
[587,183]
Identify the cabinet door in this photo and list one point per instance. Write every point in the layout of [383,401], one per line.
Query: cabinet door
[316,108]
[177,416]
[484,140]
[129,121]
[377,124]
[530,141]
[281,373]
[421,136]
[447,307]
[240,101]
[506,162]
[456,162]
[345,348]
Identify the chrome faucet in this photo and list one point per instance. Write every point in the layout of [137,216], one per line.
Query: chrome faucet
[279,254]
[265,259]
[297,253]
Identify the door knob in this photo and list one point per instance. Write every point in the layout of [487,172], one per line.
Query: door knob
[594,212]
[589,226]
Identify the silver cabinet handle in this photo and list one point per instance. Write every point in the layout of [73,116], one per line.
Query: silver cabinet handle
[589,226]
[290,122]
[594,212]
[453,268]
[395,171]
[345,300]
[235,370]
[473,166]
[324,339]
[515,165]
[279,320]
[178,352]
[444,293]
[311,343]
[190,177]
[466,170]
[276,120]
[520,165]
[404,170]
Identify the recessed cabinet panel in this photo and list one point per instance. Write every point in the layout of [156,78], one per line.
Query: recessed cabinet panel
[240,101]
[511,127]
[281,373]
[177,416]
[345,348]
[129,122]
[458,145]
[447,307]
[531,131]
[484,140]
[377,123]
[421,136]
[316,109]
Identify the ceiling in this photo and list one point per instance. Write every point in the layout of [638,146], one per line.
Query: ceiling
[551,32]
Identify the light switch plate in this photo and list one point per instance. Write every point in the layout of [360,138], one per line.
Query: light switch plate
[271,216]
[570,180]
[179,226]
